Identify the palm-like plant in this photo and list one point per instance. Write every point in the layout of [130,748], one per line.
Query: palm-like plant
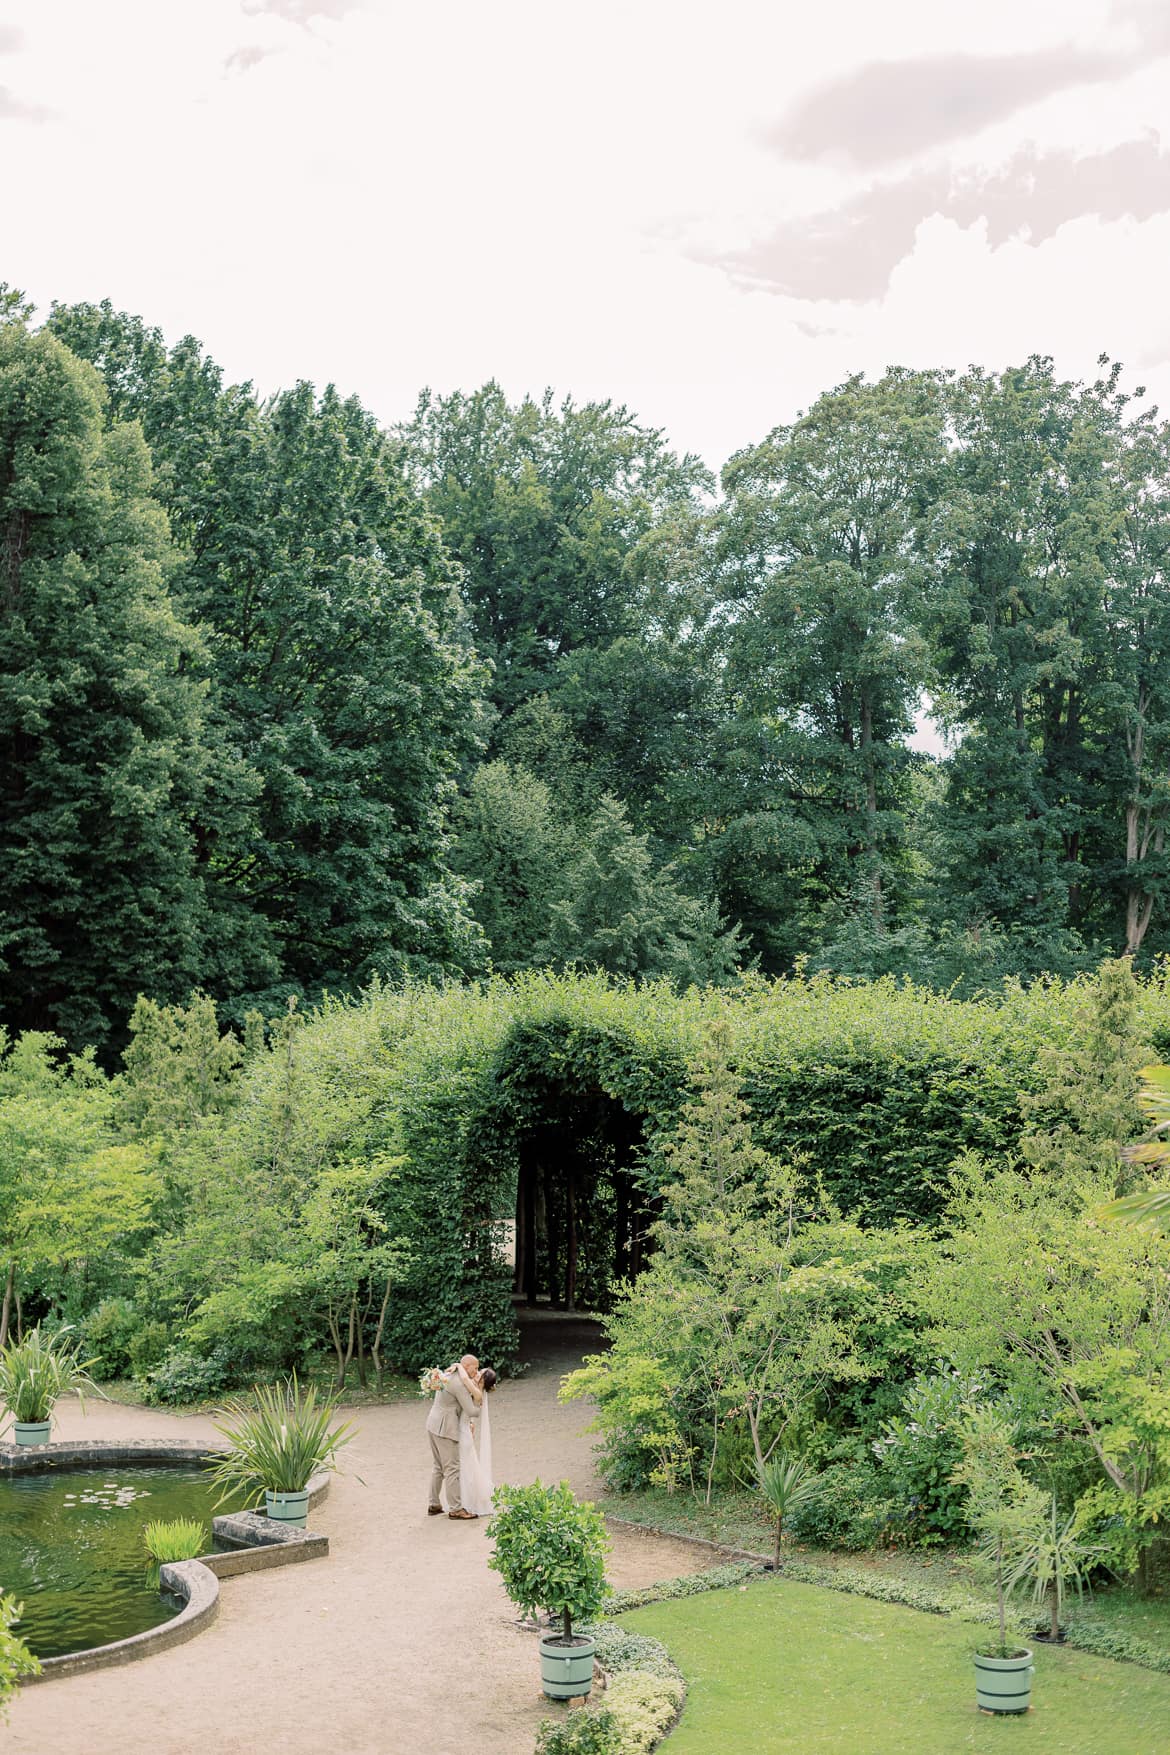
[1050,1559]
[784,1483]
[277,1442]
[1152,1206]
[37,1370]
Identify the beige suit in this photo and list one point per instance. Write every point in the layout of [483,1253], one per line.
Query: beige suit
[451,1401]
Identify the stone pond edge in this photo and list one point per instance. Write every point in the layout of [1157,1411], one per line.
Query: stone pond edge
[258,1542]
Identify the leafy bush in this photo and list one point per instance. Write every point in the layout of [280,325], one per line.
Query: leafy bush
[619,1649]
[109,1331]
[148,1347]
[550,1551]
[183,1376]
[590,1732]
[845,1508]
[179,1538]
[16,1660]
[643,1706]
[918,1453]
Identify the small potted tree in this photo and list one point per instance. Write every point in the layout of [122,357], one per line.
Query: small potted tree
[1006,1511]
[276,1444]
[550,1552]
[34,1373]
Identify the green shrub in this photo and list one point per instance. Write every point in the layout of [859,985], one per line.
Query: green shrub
[16,1660]
[844,1509]
[918,1453]
[691,1584]
[148,1347]
[183,1376]
[580,1732]
[619,1649]
[109,1332]
[644,1706]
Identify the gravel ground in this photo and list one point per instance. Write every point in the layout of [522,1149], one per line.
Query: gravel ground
[401,1641]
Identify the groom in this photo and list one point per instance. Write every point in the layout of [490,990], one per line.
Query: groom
[451,1403]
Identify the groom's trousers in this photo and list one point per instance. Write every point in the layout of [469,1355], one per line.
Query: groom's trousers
[445,1471]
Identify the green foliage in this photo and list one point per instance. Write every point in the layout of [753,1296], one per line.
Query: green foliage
[1149,1207]
[181,1376]
[111,760]
[550,1551]
[580,1733]
[691,1584]
[919,1451]
[179,1538]
[109,1332]
[277,1441]
[617,1649]
[37,1370]
[845,1508]
[1053,1557]
[16,1660]
[643,1706]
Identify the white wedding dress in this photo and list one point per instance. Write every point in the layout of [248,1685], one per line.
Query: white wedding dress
[475,1462]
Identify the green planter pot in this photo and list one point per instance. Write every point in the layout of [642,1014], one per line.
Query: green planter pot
[33,1431]
[1003,1684]
[566,1671]
[289,1508]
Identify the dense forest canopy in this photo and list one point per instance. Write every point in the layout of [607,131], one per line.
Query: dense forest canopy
[289,701]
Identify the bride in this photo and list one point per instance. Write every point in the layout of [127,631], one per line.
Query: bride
[475,1445]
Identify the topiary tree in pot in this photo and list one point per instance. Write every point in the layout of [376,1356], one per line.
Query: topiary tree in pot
[550,1553]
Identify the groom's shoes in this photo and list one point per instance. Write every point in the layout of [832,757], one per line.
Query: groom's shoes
[469,1515]
[434,1511]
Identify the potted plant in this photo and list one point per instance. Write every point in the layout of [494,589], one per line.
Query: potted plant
[34,1373]
[276,1443]
[784,1483]
[550,1552]
[1006,1510]
[1048,1559]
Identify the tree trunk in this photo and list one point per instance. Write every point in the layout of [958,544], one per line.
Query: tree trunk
[567,1624]
[19,1312]
[779,1535]
[571,1247]
[376,1349]
[335,1337]
[9,1286]
[1054,1612]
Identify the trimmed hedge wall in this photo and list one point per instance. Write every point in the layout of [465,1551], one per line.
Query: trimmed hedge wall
[878,1086]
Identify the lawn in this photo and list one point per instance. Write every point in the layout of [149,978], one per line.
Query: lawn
[736,1520]
[777,1666]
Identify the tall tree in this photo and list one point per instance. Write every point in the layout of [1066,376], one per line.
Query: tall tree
[344,666]
[110,767]
[822,564]
[556,514]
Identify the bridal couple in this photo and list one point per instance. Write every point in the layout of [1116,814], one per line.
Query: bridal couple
[461,1440]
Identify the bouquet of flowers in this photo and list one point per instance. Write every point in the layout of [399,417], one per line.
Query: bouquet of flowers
[429,1380]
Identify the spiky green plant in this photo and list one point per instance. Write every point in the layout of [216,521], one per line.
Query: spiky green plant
[784,1483]
[1048,1561]
[276,1442]
[1150,1206]
[36,1371]
[177,1538]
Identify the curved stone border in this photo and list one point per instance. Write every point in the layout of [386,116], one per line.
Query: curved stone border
[256,1543]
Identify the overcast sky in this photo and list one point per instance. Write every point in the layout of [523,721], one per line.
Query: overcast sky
[709,211]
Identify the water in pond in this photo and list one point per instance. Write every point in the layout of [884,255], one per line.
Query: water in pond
[71,1550]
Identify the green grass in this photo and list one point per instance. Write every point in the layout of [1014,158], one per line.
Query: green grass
[735,1519]
[780,1668]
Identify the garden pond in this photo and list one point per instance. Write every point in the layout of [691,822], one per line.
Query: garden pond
[71,1549]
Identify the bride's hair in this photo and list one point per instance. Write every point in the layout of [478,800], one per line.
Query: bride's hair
[488,1379]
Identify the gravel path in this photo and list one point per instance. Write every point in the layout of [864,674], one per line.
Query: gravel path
[400,1643]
